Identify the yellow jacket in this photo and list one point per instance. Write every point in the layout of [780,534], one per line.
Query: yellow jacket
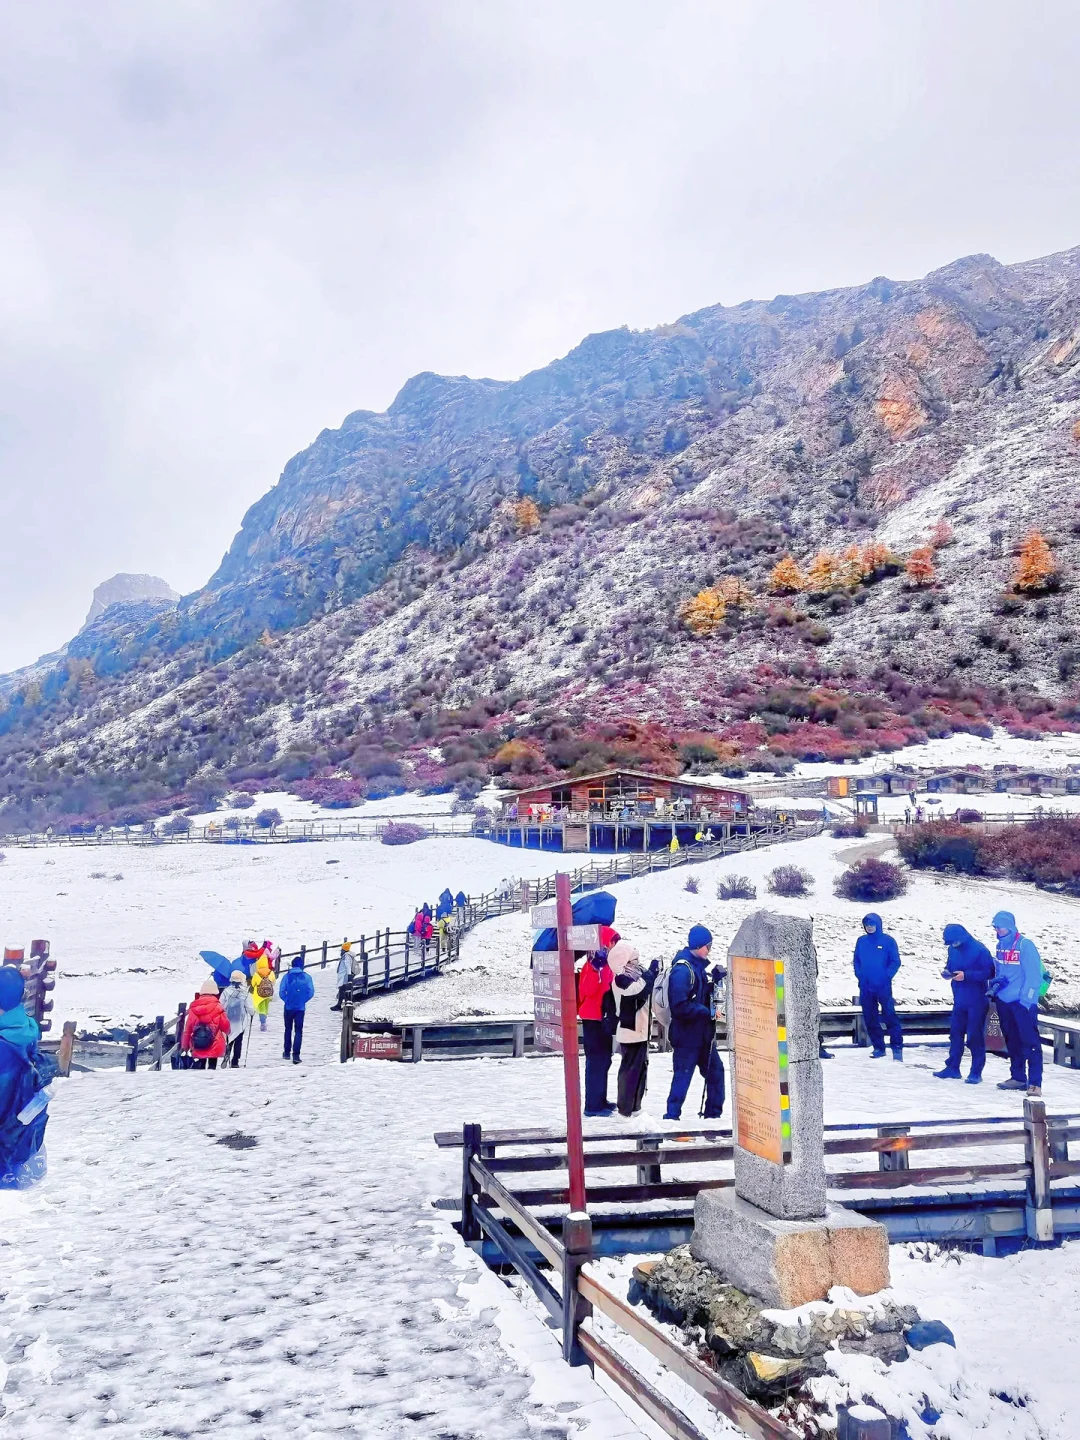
[263,969]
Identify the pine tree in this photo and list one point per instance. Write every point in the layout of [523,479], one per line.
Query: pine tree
[824,572]
[920,566]
[786,577]
[527,515]
[705,613]
[1035,564]
[941,535]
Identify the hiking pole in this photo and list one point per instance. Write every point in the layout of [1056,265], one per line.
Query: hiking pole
[247,1040]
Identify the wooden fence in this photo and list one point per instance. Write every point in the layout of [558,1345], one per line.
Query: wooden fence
[556,1266]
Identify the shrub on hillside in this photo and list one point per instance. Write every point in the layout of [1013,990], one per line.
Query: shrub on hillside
[241,800]
[693,884]
[736,887]
[176,825]
[1043,852]
[968,817]
[400,832]
[849,829]
[871,880]
[267,819]
[789,881]
[942,845]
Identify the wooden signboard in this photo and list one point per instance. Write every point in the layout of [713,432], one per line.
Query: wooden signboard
[759,1050]
[377,1047]
[543,917]
[547,1002]
[547,1037]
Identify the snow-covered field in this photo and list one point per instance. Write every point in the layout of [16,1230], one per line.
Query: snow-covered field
[159,1283]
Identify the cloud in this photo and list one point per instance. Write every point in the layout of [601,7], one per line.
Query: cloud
[226,225]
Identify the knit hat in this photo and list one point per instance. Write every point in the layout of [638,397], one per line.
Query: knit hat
[238,976]
[209,987]
[621,955]
[698,937]
[12,987]
[298,962]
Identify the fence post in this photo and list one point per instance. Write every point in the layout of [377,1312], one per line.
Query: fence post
[346,1029]
[1039,1211]
[519,1039]
[324,945]
[893,1159]
[67,1044]
[470,1147]
[364,976]
[648,1174]
[1059,1148]
[132,1060]
[159,1039]
[181,1018]
[303,954]
[577,1251]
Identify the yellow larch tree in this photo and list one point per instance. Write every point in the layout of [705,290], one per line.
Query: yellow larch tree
[705,613]
[824,572]
[852,571]
[1035,564]
[786,577]
[875,556]
[527,515]
[735,592]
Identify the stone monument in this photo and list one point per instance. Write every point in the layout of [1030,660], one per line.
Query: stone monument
[775,1235]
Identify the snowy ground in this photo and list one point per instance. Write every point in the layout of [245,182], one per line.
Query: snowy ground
[656,911]
[127,944]
[1054,751]
[159,1283]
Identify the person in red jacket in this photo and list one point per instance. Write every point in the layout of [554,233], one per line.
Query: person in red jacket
[206,1016]
[596,1010]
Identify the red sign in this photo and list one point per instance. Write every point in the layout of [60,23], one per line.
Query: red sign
[377,1047]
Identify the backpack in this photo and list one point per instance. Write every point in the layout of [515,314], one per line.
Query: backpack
[661,1001]
[265,988]
[203,1036]
[19,1141]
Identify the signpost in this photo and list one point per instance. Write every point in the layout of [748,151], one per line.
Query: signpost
[377,1047]
[759,1048]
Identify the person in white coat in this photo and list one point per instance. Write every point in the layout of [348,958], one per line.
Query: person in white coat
[344,973]
[236,1001]
[632,988]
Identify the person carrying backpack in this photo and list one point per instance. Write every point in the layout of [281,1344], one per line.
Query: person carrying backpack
[262,987]
[969,966]
[1016,987]
[344,973]
[23,1097]
[236,1002]
[693,1026]
[295,990]
[876,961]
[632,988]
[205,1028]
[596,1010]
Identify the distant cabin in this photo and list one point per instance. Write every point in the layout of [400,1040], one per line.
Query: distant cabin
[610,793]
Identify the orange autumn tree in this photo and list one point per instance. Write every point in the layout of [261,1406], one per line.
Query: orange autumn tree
[852,567]
[527,515]
[824,572]
[941,535]
[1035,564]
[786,577]
[920,566]
[875,556]
[704,614]
[735,592]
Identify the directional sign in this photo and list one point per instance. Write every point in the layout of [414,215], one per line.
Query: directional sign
[545,960]
[583,937]
[543,917]
[547,1011]
[547,983]
[547,1037]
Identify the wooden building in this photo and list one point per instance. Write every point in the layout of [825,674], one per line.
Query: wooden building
[631,794]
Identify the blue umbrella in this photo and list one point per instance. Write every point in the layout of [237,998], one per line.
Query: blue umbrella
[222,967]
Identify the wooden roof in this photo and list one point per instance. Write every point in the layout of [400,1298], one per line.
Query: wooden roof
[561,781]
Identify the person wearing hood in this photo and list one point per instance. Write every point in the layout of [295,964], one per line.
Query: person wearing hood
[877,959]
[344,973]
[632,988]
[970,967]
[22,1160]
[295,990]
[205,1027]
[236,1002]
[461,900]
[1016,987]
[262,988]
[693,1026]
[445,905]
[596,1013]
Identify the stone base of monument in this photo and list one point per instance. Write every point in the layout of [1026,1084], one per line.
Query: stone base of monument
[786,1263]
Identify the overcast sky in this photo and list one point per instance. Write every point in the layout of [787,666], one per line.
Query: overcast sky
[224,225]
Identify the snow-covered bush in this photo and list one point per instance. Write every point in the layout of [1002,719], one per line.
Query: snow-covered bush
[693,884]
[267,819]
[241,800]
[968,817]
[789,881]
[176,825]
[400,832]
[871,879]
[736,887]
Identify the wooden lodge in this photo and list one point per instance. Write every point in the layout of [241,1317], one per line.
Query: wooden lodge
[619,809]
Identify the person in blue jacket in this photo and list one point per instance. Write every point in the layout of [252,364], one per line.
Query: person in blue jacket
[21,1156]
[877,959]
[294,992]
[693,1026]
[970,967]
[1016,986]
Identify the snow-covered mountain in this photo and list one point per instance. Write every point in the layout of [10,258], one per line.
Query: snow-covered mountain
[491,560]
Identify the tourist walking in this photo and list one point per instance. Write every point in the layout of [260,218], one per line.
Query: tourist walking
[596,1010]
[1016,987]
[262,988]
[23,1076]
[693,1026]
[239,1010]
[632,988]
[877,959]
[344,973]
[205,1028]
[295,990]
[970,967]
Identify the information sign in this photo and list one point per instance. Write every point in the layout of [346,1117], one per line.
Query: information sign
[543,917]
[547,1037]
[377,1047]
[759,1049]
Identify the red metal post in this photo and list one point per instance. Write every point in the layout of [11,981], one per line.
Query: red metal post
[575,1155]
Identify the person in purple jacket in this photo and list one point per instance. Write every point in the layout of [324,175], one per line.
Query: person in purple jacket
[1016,987]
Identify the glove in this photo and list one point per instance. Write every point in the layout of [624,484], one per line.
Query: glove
[717,973]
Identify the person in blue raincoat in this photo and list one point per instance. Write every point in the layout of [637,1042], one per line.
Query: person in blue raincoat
[970,967]
[877,959]
[21,1156]
[693,1026]
[445,906]
[294,992]
[1016,987]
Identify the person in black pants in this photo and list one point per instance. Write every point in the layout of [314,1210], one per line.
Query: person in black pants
[877,959]
[632,987]
[970,967]
[693,1026]
[596,1012]
[295,990]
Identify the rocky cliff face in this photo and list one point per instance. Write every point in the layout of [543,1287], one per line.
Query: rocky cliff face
[123,589]
[393,570]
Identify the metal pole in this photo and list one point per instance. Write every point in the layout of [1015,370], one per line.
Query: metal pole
[574,1148]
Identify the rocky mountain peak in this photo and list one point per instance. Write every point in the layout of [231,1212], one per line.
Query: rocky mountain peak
[122,589]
